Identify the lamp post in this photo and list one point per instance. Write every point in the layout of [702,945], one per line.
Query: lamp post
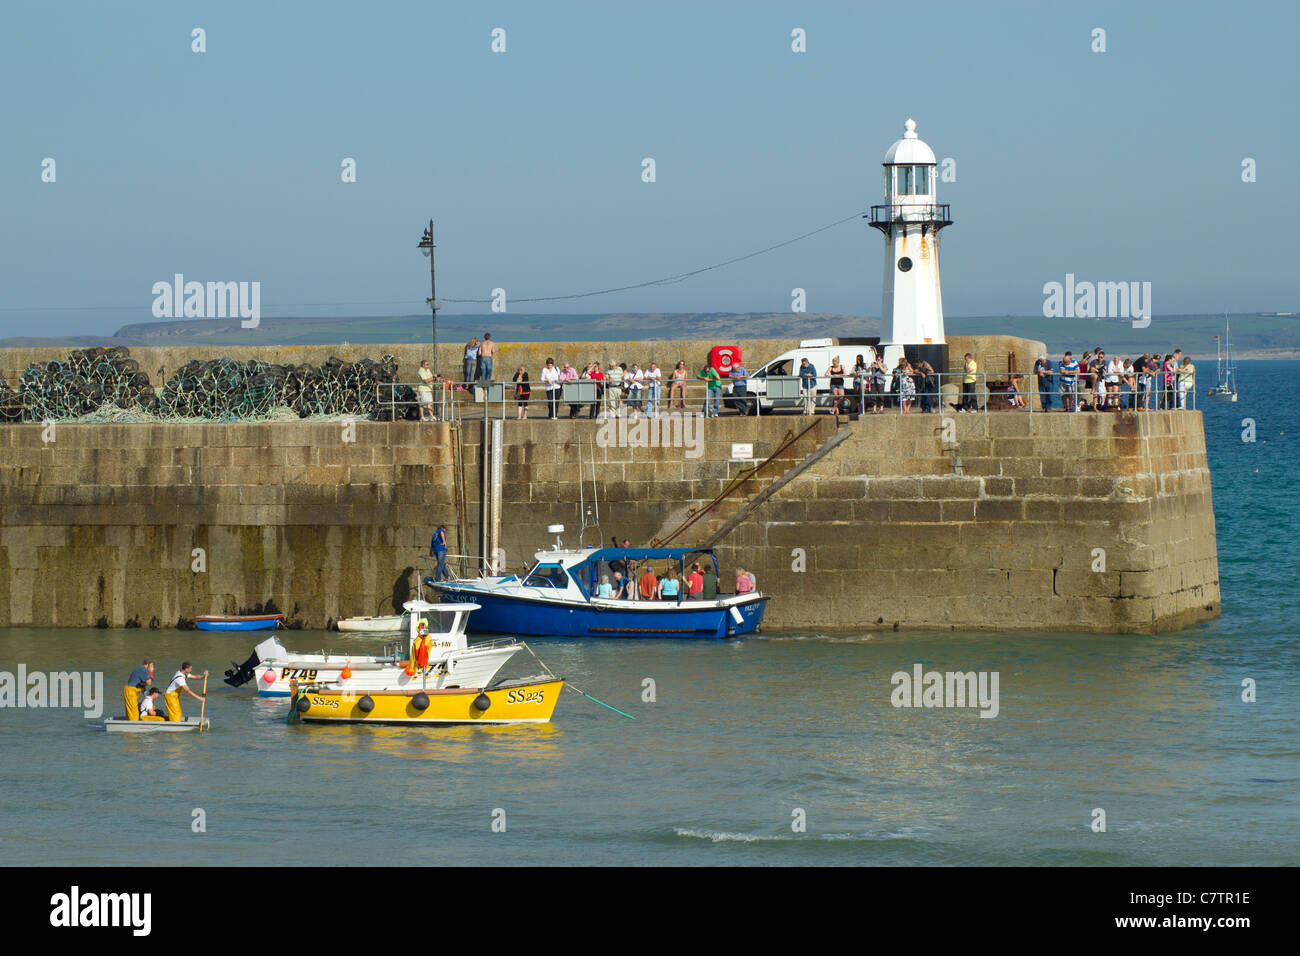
[426,247]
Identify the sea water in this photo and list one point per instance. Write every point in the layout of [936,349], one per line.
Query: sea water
[783,748]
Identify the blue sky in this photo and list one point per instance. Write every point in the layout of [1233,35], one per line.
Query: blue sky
[225,165]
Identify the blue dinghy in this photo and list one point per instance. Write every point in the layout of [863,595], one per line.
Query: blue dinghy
[238,622]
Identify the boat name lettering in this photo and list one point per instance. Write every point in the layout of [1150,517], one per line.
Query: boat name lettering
[297,673]
[324,702]
[520,697]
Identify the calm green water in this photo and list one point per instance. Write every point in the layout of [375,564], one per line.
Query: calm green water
[1151,729]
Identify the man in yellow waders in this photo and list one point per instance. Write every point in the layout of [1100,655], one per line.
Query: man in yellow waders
[147,702]
[140,678]
[173,695]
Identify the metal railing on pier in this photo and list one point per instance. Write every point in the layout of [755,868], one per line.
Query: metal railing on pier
[896,393]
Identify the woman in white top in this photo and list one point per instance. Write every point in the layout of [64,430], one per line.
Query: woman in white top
[906,386]
[424,391]
[652,378]
[1114,372]
[551,379]
[634,382]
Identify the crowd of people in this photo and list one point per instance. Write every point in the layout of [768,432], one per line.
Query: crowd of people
[628,581]
[1093,382]
[1097,383]
[698,584]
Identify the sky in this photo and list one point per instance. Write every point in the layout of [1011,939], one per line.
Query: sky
[225,165]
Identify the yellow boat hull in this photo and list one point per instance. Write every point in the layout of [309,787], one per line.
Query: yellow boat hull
[521,702]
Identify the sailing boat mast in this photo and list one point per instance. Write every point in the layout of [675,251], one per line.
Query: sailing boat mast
[1231,379]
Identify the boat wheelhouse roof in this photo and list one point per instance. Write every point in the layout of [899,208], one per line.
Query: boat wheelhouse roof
[571,559]
[643,554]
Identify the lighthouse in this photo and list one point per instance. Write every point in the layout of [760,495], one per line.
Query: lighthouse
[910,220]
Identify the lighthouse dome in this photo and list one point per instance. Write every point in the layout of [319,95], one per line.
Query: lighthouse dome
[910,150]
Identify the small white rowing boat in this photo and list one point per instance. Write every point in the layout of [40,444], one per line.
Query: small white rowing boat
[390,624]
[120,725]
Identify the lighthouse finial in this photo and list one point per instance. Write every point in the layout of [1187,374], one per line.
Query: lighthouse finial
[909,129]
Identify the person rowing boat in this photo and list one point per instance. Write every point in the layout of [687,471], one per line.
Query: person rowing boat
[140,679]
[173,695]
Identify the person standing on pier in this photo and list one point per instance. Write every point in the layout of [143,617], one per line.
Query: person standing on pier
[613,386]
[1186,383]
[486,352]
[677,388]
[471,361]
[522,391]
[739,385]
[551,379]
[714,392]
[808,383]
[969,402]
[424,392]
[1068,377]
[653,376]
[570,374]
[172,697]
[438,550]
[1043,372]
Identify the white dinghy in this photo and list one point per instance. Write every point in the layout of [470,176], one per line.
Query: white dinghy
[120,725]
[388,624]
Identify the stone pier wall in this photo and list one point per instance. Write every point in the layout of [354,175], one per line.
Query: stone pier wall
[995,523]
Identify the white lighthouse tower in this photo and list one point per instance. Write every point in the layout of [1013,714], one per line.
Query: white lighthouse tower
[910,220]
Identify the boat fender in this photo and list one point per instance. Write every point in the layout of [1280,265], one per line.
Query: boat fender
[367,704]
[736,615]
[269,676]
[346,673]
[420,701]
[482,702]
[303,704]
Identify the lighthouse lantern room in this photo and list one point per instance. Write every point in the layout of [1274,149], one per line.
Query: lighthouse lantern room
[910,220]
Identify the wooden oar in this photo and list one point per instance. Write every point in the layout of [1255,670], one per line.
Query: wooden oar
[204,702]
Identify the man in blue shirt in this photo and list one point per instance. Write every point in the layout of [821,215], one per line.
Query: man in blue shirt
[739,381]
[808,382]
[139,680]
[1043,370]
[438,549]
[1068,376]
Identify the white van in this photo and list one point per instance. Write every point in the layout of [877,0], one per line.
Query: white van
[819,353]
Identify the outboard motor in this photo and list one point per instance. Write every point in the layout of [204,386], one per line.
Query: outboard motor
[240,674]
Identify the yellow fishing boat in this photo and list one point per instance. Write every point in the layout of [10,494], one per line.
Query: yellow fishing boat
[529,701]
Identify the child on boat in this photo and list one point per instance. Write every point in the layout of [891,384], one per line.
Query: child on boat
[147,702]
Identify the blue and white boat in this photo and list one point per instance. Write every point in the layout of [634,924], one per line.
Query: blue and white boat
[557,597]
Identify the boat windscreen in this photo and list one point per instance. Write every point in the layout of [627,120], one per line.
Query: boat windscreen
[547,576]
